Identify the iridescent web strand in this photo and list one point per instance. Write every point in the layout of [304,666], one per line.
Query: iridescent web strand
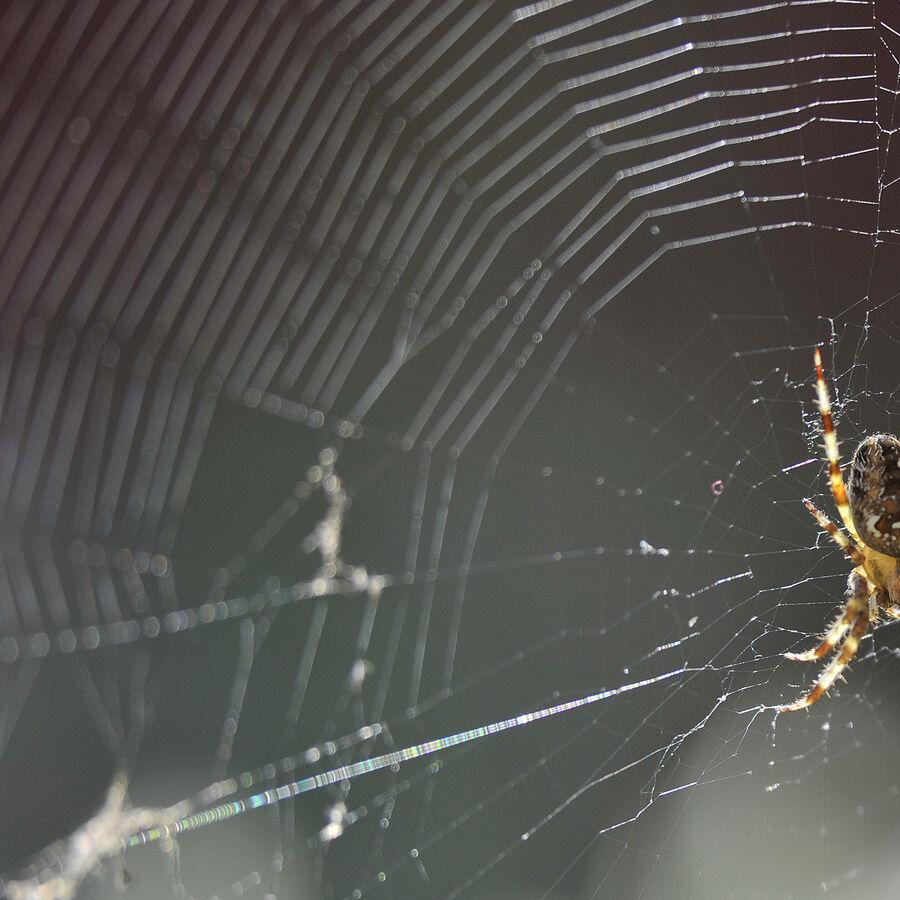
[345,773]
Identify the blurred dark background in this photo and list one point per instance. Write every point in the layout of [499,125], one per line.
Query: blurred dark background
[540,285]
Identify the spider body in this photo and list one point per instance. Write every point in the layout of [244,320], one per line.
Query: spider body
[869,506]
[873,490]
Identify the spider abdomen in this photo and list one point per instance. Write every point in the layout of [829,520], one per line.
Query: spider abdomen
[873,489]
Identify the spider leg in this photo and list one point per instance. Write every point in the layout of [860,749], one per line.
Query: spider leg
[831,448]
[840,627]
[850,546]
[858,611]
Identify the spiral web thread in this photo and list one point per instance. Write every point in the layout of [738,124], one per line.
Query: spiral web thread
[417,238]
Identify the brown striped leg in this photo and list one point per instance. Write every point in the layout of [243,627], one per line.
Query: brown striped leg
[831,448]
[858,609]
[847,544]
[841,624]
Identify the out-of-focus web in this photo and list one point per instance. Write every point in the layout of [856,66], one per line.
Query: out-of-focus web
[411,234]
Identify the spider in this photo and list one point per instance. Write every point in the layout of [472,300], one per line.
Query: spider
[869,507]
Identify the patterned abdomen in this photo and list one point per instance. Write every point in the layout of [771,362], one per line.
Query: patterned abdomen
[873,489]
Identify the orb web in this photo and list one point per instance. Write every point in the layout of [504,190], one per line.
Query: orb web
[405,413]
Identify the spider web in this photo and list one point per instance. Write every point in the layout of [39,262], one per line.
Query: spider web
[406,409]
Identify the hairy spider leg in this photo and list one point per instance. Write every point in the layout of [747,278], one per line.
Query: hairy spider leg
[850,546]
[862,604]
[838,488]
[834,634]
[858,612]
